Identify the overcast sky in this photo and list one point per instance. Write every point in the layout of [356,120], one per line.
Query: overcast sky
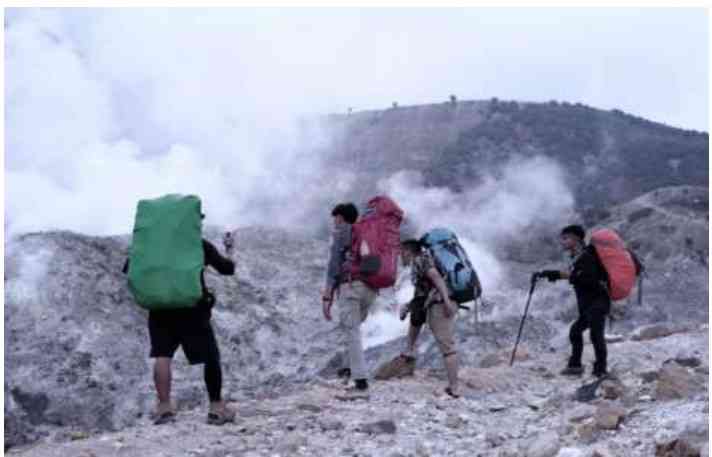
[90,94]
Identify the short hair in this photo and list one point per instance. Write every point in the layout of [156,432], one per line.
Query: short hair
[575,230]
[346,210]
[412,245]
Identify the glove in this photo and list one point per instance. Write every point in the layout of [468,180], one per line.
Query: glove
[551,275]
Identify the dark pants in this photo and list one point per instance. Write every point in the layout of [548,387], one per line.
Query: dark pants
[593,318]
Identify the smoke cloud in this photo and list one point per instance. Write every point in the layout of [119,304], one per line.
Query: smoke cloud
[105,108]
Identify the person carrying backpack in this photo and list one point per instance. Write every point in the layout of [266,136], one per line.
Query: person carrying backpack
[590,281]
[363,259]
[431,301]
[164,227]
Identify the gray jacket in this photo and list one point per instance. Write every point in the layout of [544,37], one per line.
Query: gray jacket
[339,255]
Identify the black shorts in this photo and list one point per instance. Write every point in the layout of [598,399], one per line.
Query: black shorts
[418,313]
[189,329]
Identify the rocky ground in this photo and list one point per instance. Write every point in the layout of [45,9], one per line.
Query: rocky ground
[77,373]
[661,395]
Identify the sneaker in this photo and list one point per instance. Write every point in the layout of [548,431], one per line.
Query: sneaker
[572,371]
[221,416]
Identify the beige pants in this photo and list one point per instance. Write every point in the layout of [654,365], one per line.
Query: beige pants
[355,300]
[443,328]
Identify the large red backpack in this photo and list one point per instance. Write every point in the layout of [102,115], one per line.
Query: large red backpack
[375,243]
[617,261]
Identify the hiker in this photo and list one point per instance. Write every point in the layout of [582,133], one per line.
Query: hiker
[189,328]
[363,259]
[589,279]
[355,298]
[432,303]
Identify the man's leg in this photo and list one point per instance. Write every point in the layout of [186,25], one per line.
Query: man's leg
[212,373]
[413,333]
[418,316]
[162,381]
[598,339]
[574,367]
[576,339]
[443,329]
[357,299]
[200,346]
[164,342]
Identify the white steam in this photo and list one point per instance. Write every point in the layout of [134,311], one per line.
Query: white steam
[527,195]
[106,107]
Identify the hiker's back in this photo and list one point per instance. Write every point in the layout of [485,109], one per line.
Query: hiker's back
[166,256]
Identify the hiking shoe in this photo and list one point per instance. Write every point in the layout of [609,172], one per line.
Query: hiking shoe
[452,393]
[344,373]
[165,417]
[222,416]
[600,373]
[359,391]
[399,367]
[572,371]
[165,414]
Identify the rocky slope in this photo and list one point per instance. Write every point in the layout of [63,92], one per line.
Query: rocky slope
[77,367]
[526,410]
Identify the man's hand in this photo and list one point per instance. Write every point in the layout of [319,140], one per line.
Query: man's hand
[551,275]
[405,309]
[327,298]
[326,309]
[449,308]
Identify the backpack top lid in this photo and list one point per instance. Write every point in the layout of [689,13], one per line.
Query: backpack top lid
[616,260]
[384,206]
[437,235]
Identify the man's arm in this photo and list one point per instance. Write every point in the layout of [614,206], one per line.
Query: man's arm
[223,265]
[340,243]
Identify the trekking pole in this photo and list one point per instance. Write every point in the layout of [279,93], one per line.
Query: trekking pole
[477,317]
[521,324]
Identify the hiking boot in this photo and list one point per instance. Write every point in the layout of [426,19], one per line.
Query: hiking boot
[600,372]
[221,416]
[572,371]
[344,373]
[399,367]
[359,391]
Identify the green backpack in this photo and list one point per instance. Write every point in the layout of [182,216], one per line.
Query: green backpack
[166,256]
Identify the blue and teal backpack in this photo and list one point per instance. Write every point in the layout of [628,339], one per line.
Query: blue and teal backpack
[453,264]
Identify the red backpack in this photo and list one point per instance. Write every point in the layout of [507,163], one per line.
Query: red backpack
[617,261]
[375,243]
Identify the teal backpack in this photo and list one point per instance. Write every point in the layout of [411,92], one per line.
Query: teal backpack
[453,264]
